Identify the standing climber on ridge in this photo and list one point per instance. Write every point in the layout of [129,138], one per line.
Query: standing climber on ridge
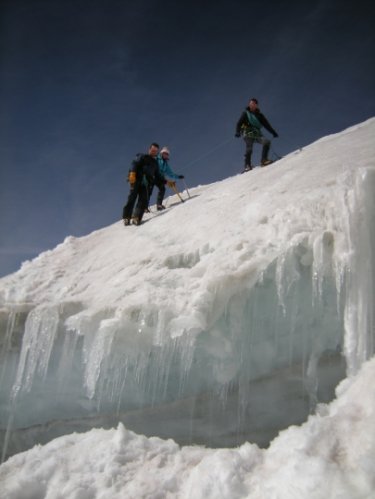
[249,126]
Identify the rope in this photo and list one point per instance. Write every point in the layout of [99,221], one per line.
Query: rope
[218,146]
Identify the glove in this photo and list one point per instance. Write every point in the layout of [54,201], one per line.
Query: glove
[132,177]
[275,134]
[171,183]
[237,135]
[181,177]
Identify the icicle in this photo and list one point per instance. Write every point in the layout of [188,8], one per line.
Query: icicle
[67,358]
[11,321]
[322,264]
[40,333]
[287,273]
[39,337]
[359,309]
[99,352]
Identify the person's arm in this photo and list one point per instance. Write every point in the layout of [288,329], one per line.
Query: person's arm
[240,122]
[170,173]
[263,120]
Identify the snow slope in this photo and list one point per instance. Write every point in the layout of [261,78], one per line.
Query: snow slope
[251,292]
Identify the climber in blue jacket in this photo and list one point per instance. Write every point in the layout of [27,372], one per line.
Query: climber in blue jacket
[164,171]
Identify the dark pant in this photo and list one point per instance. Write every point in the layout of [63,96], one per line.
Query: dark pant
[137,190]
[160,184]
[249,141]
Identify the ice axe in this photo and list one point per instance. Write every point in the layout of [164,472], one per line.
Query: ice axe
[186,189]
[172,185]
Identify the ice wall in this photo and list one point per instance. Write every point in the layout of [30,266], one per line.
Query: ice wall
[265,338]
[269,353]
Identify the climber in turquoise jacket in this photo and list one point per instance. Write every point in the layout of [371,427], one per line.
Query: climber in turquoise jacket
[165,171]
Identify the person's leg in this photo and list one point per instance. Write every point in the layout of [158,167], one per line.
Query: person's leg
[150,190]
[265,150]
[128,208]
[249,141]
[141,204]
[161,193]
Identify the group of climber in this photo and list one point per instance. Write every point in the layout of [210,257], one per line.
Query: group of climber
[148,170]
[153,168]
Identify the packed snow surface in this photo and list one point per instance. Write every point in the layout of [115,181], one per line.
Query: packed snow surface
[202,324]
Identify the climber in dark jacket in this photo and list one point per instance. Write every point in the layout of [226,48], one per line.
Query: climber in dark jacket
[249,126]
[143,173]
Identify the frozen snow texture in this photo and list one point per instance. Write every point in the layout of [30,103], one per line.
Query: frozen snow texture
[201,322]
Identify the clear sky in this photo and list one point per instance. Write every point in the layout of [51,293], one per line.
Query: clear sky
[87,84]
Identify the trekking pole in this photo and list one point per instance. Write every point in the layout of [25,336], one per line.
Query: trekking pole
[186,189]
[173,186]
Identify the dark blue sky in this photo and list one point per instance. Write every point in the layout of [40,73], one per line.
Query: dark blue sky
[86,84]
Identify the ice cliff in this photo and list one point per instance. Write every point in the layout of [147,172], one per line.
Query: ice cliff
[223,319]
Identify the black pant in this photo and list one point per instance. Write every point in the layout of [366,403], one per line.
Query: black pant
[140,191]
[249,141]
[160,184]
